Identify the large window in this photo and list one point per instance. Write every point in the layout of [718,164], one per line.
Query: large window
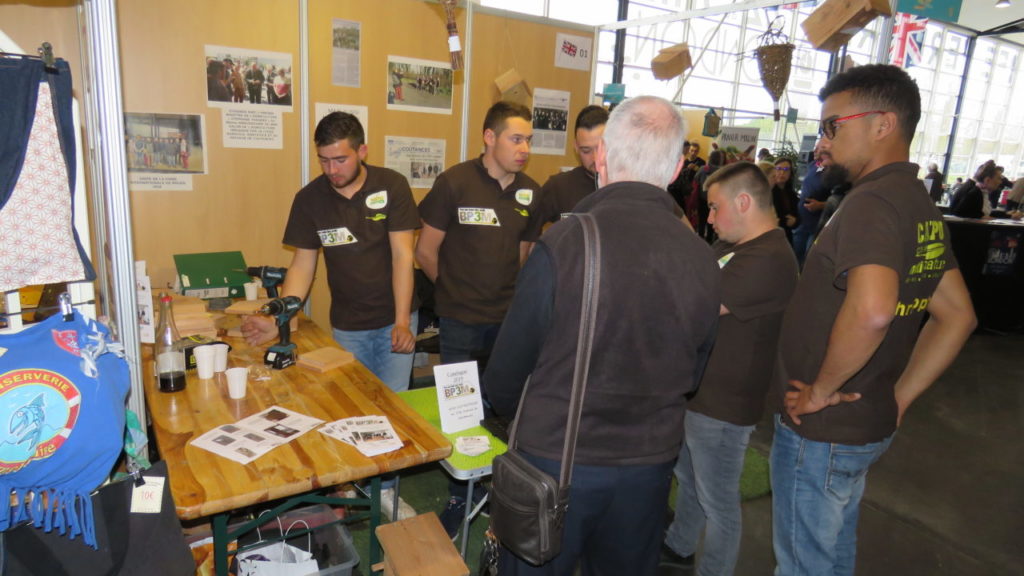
[725,75]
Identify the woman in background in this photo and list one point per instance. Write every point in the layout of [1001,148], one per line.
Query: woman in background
[784,197]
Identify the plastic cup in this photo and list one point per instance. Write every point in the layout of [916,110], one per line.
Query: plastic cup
[220,363]
[206,358]
[237,379]
[251,290]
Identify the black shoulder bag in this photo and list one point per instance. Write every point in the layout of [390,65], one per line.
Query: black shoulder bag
[527,505]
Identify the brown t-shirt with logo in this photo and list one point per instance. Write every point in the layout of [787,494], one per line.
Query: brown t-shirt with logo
[758,279]
[887,219]
[483,224]
[357,249]
[563,191]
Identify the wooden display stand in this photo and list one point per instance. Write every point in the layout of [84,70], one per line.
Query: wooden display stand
[833,23]
[418,547]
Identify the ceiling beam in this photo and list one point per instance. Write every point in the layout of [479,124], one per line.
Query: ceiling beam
[688,14]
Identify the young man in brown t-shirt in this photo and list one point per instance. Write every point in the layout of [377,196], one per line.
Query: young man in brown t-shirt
[758,276]
[852,358]
[563,190]
[479,220]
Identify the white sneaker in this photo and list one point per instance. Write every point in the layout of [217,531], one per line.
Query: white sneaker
[387,501]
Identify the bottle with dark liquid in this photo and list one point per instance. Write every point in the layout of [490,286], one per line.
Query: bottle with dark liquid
[170,356]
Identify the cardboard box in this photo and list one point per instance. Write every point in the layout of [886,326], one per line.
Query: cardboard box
[671,62]
[513,88]
[832,24]
[212,274]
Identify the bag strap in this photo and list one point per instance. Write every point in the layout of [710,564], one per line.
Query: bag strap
[584,343]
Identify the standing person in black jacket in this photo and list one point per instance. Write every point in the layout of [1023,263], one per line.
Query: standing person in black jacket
[657,311]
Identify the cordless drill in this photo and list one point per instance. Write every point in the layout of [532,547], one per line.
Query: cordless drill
[282,354]
[270,277]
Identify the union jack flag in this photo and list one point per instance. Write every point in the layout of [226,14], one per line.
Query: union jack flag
[907,40]
[569,48]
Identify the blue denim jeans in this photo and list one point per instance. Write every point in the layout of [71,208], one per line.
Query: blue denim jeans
[373,349]
[612,525]
[816,492]
[708,470]
[461,342]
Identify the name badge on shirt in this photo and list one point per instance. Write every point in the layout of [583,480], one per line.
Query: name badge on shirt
[336,237]
[478,217]
[725,260]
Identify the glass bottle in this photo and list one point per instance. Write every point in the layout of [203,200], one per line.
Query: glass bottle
[170,356]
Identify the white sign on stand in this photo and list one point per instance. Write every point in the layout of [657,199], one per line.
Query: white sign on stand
[458,396]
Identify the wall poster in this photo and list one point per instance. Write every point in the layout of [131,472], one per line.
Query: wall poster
[419,85]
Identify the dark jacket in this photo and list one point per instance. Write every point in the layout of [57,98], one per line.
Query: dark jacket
[656,317]
[968,201]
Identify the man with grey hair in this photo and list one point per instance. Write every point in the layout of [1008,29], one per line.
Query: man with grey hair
[657,312]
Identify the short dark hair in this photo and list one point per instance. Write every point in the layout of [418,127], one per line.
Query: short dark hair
[498,115]
[716,158]
[338,126]
[214,67]
[986,170]
[743,177]
[881,87]
[591,117]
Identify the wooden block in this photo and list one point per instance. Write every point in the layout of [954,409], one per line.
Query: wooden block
[419,546]
[833,23]
[671,62]
[325,359]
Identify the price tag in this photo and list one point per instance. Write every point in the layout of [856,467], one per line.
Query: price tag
[149,497]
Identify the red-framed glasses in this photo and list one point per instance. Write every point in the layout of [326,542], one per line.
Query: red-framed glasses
[829,125]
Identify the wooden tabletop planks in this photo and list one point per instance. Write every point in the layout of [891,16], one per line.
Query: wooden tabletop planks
[203,483]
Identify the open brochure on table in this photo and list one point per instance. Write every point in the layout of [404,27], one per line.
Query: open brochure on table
[252,437]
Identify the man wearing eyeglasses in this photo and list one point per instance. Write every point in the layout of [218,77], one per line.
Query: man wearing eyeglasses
[852,358]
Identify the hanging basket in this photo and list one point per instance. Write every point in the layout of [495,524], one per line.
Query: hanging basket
[774,60]
[774,63]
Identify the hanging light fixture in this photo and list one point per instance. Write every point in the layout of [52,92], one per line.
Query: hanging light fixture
[1003,4]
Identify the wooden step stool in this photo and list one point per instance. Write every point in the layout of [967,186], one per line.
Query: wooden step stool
[418,546]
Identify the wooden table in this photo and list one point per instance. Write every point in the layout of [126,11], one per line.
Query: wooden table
[204,484]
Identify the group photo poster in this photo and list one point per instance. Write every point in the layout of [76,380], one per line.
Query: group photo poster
[164,150]
[245,78]
[345,53]
[420,160]
[550,121]
[419,85]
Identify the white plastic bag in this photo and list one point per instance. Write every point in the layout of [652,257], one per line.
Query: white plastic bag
[278,558]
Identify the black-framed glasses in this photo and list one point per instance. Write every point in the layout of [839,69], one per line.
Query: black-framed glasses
[829,125]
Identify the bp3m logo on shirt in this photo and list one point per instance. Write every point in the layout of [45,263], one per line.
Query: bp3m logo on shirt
[336,237]
[478,217]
